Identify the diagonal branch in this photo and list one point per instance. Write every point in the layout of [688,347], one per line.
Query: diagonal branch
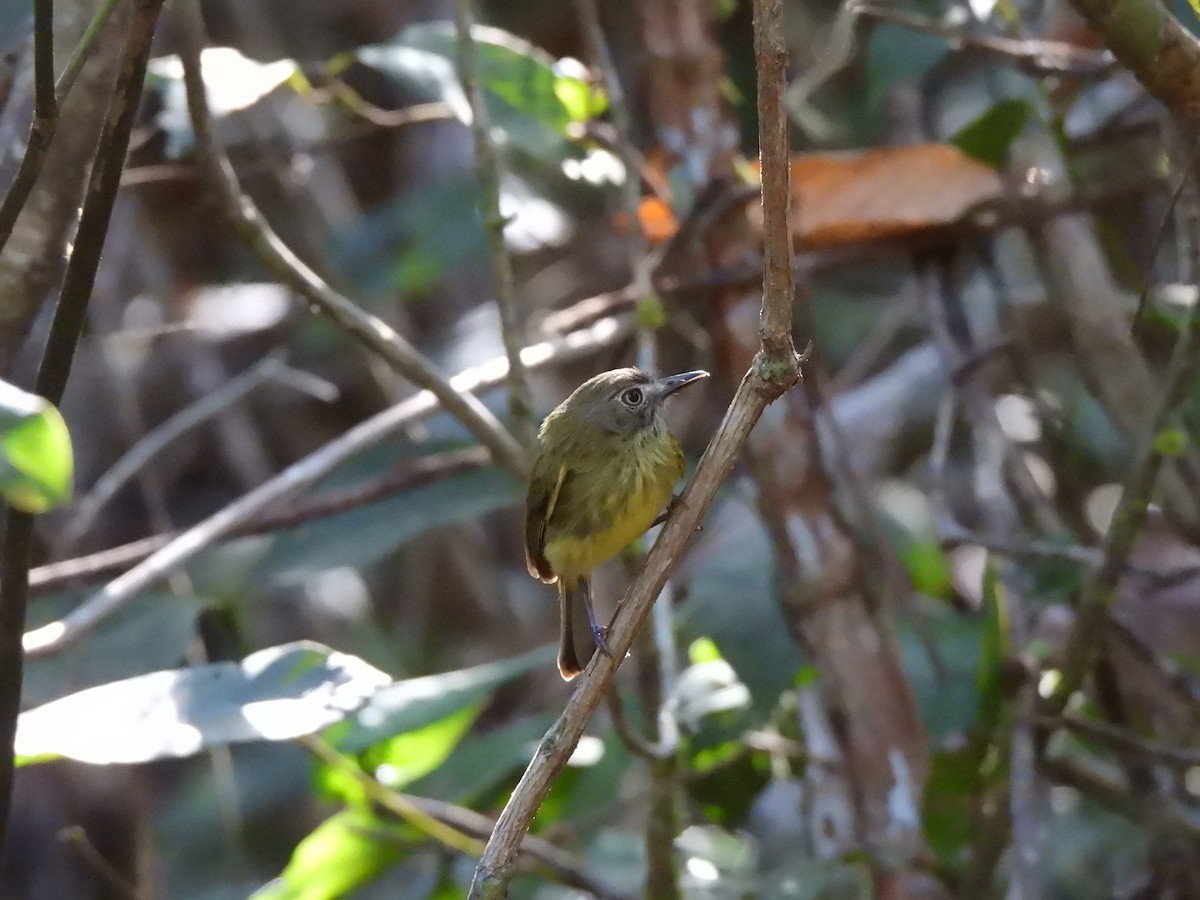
[775,370]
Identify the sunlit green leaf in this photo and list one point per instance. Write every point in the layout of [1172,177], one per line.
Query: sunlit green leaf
[703,650]
[481,763]
[1171,442]
[581,99]
[398,761]
[345,851]
[151,632]
[529,102]
[275,694]
[925,563]
[418,702]
[36,462]
[401,760]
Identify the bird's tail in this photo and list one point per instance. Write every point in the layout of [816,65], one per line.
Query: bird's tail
[576,643]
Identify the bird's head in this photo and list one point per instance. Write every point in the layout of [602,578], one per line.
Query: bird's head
[625,401]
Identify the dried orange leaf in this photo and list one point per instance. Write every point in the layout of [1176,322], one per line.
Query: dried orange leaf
[658,221]
[889,192]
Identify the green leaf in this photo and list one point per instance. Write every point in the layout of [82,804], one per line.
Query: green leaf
[275,694]
[897,55]
[401,760]
[1171,442]
[418,702]
[925,562]
[947,697]
[367,533]
[152,632]
[346,851]
[989,137]
[732,601]
[650,314]
[36,462]
[528,101]
[580,98]
[481,763]
[951,803]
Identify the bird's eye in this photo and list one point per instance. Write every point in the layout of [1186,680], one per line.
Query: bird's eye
[632,397]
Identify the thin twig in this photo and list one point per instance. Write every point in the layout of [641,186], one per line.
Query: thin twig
[41,130]
[419,473]
[1100,590]
[628,735]
[622,122]
[69,316]
[277,257]
[45,103]
[489,173]
[1115,793]
[154,442]
[774,371]
[305,472]
[84,48]
[390,800]
[75,837]
[1121,738]
[1185,173]
[458,828]
[1158,50]
[1037,58]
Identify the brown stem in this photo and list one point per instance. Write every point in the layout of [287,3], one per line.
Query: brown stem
[59,352]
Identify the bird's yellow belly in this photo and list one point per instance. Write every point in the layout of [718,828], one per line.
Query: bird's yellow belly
[572,555]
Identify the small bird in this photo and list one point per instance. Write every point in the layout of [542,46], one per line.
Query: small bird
[605,470]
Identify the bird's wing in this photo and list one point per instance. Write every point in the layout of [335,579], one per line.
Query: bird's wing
[545,486]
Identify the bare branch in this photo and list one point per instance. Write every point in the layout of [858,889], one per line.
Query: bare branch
[459,828]
[1100,590]
[420,472]
[1037,58]
[69,316]
[775,369]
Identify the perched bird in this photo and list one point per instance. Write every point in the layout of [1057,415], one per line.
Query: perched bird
[605,470]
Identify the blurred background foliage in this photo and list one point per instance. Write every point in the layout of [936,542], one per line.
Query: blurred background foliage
[978,198]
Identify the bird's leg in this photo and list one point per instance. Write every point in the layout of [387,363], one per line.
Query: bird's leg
[666,513]
[599,632]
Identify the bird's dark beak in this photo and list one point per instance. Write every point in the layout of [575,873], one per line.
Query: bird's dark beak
[672,383]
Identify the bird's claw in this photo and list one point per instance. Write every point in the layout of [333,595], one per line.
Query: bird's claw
[600,636]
